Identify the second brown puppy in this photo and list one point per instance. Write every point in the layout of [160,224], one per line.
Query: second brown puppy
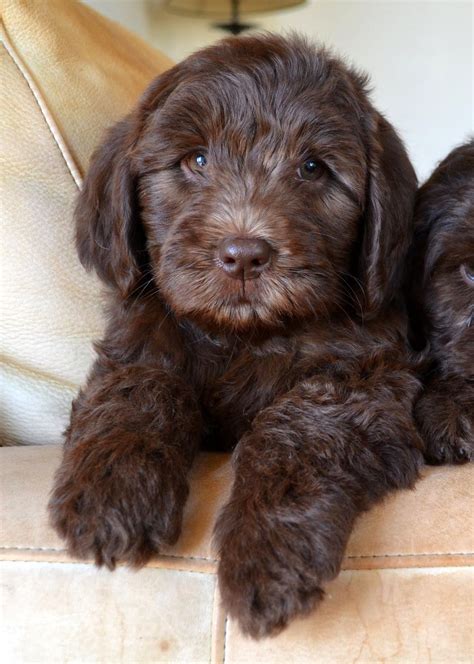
[442,296]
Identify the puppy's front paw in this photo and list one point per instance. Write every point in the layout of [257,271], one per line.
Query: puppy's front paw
[117,502]
[269,571]
[264,594]
[447,429]
[447,449]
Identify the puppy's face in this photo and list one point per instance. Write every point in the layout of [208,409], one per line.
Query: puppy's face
[256,186]
[252,204]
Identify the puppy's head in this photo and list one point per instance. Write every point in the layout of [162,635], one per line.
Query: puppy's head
[256,185]
[444,277]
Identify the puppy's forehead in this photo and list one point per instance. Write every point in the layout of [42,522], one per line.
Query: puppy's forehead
[451,242]
[292,95]
[459,238]
[239,95]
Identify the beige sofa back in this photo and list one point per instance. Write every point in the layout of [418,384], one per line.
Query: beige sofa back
[69,74]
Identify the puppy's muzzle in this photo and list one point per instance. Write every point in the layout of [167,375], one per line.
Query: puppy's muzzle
[244,258]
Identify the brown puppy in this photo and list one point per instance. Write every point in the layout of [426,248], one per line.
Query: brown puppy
[443,306]
[251,218]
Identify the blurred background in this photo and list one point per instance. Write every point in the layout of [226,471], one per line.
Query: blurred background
[419,54]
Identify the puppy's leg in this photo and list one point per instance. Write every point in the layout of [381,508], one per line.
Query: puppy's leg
[312,462]
[120,490]
[445,417]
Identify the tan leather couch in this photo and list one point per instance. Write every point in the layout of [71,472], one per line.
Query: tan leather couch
[406,593]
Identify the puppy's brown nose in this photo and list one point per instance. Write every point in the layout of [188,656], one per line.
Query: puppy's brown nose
[244,258]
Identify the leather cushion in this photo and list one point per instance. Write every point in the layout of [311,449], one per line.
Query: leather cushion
[69,73]
[405,595]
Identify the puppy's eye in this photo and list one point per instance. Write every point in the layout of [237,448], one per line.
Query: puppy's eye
[194,163]
[200,160]
[467,274]
[311,169]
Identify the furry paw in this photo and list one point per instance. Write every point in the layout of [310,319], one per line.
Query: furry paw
[271,569]
[453,450]
[446,425]
[117,502]
[264,594]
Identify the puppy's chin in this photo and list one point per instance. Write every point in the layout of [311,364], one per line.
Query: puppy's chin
[244,315]
[241,318]
[242,321]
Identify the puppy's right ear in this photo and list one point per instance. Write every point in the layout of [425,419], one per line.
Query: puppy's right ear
[107,224]
[109,235]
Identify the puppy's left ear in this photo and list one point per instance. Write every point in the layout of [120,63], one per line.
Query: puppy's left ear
[388,218]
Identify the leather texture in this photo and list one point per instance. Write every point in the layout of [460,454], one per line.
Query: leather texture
[103,617]
[89,71]
[406,593]
[70,74]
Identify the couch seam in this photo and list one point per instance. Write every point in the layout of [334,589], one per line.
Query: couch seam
[40,548]
[210,560]
[213,608]
[43,107]
[172,569]
[411,555]
[85,562]
[226,621]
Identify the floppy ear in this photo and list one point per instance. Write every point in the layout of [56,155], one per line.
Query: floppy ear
[388,217]
[109,235]
[108,232]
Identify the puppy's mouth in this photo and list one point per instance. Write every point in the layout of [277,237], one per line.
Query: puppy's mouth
[243,294]
[243,299]
[258,298]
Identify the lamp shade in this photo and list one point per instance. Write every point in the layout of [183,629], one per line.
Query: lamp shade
[222,8]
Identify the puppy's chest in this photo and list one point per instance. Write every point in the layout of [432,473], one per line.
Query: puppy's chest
[234,386]
[233,389]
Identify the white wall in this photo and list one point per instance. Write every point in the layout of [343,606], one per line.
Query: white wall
[419,55]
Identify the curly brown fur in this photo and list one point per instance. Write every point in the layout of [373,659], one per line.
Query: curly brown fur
[295,356]
[443,306]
